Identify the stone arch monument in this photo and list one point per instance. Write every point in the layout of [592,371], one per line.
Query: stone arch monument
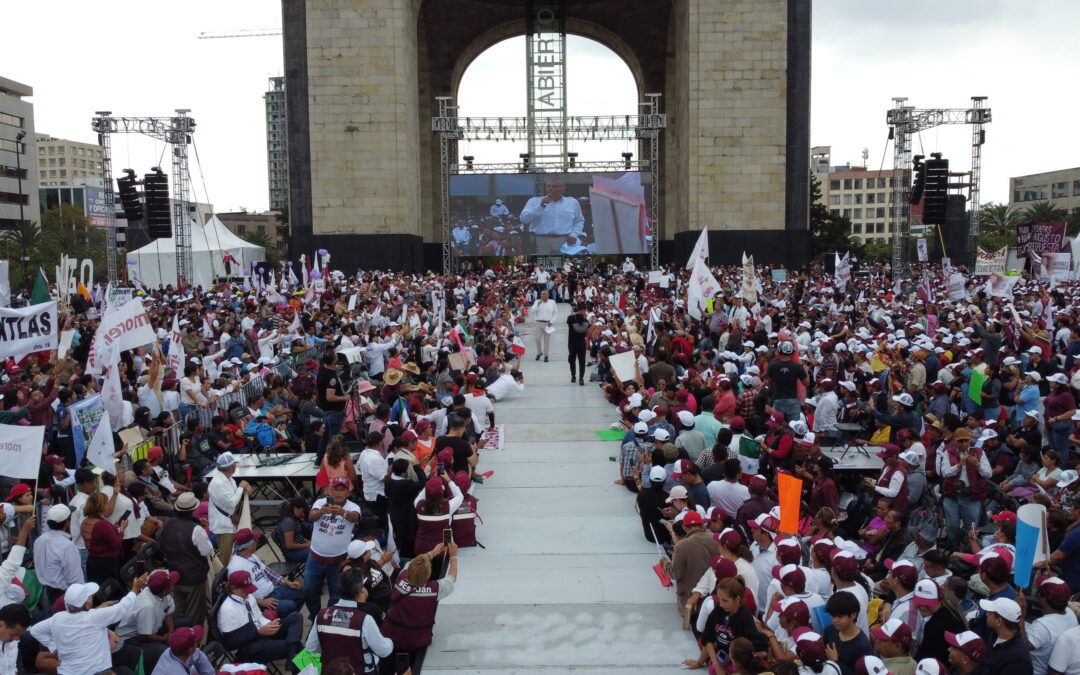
[362,77]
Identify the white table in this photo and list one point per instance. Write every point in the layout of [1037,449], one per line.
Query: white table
[272,483]
[858,457]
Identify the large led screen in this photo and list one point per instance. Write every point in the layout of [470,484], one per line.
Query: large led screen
[549,214]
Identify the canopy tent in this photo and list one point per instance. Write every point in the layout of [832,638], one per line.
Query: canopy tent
[155,263]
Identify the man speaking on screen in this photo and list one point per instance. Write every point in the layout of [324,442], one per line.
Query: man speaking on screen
[554,219]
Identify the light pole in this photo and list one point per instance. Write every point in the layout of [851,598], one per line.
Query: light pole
[21,134]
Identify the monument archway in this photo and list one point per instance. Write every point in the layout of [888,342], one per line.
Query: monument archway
[362,77]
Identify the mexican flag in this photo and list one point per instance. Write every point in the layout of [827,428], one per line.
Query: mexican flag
[517,346]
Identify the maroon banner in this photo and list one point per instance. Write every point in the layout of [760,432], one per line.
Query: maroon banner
[1039,237]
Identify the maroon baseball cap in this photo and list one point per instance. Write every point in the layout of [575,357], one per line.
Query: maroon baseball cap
[722,567]
[183,639]
[788,551]
[1055,591]
[794,609]
[241,580]
[731,539]
[682,466]
[162,579]
[845,565]
[790,575]
[737,423]
[758,484]
[889,450]
[969,643]
[244,536]
[903,570]
[810,647]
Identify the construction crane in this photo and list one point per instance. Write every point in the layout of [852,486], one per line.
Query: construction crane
[244,32]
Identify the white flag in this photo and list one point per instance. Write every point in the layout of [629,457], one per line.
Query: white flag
[176,348]
[292,276]
[703,285]
[100,450]
[749,276]
[122,328]
[112,394]
[701,249]
[924,253]
[843,270]
[20,450]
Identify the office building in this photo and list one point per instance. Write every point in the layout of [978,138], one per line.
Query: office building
[1061,187]
[277,156]
[860,195]
[242,223]
[18,179]
[62,162]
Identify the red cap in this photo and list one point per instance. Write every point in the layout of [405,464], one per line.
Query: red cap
[788,551]
[889,450]
[341,480]
[155,453]
[692,518]
[18,490]
[311,364]
[775,420]
[408,436]
[845,565]
[54,459]
[162,579]
[790,575]
[183,639]
[470,378]
[433,487]
[446,456]
[244,536]
[737,423]
[731,539]
[241,580]
[1004,517]
[894,629]
[793,609]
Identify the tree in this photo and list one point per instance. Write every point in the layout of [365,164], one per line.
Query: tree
[23,244]
[997,226]
[272,252]
[1044,212]
[878,251]
[283,230]
[1072,222]
[829,234]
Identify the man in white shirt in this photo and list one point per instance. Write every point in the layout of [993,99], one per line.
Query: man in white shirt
[249,634]
[80,635]
[544,312]
[334,518]
[1056,619]
[507,383]
[225,496]
[274,591]
[553,218]
[729,494]
[150,622]
[498,209]
[1065,655]
[826,413]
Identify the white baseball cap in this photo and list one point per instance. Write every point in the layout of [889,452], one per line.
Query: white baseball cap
[677,492]
[77,594]
[661,435]
[359,547]
[686,418]
[225,460]
[657,474]
[58,513]
[646,416]
[904,399]
[1004,607]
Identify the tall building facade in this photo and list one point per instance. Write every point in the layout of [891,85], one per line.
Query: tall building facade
[860,195]
[277,155]
[18,178]
[62,162]
[1061,187]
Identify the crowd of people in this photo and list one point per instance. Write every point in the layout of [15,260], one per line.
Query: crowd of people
[389,382]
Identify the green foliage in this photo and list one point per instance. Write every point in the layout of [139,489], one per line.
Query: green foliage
[272,252]
[997,226]
[829,234]
[878,251]
[1044,212]
[63,230]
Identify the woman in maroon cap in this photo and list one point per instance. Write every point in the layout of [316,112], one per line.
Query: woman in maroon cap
[434,511]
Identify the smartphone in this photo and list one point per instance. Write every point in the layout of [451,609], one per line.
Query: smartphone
[127,514]
[447,534]
[440,468]
[401,665]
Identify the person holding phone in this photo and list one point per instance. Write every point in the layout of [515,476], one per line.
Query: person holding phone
[434,511]
[335,629]
[415,599]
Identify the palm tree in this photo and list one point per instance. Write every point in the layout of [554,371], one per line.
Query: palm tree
[1044,212]
[25,243]
[272,252]
[997,226]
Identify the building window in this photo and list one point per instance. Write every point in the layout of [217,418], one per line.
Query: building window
[881,195]
[52,173]
[892,228]
[881,212]
[858,199]
[858,213]
[834,200]
[60,150]
[880,228]
[858,183]
[870,197]
[1033,193]
[41,151]
[12,172]
[14,198]
[847,183]
[63,162]
[11,120]
[834,212]
[241,229]
[847,199]
[857,228]
[63,173]
[847,213]
[1059,190]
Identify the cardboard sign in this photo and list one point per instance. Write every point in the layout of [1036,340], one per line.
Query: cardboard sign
[622,365]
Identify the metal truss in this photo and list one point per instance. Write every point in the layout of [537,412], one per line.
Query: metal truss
[552,167]
[175,131]
[595,128]
[904,122]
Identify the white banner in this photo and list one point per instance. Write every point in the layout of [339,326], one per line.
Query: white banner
[920,246]
[122,328]
[28,329]
[701,249]
[988,263]
[5,284]
[946,267]
[702,285]
[749,277]
[1000,286]
[1059,265]
[176,348]
[100,450]
[20,450]
[956,287]
[843,270]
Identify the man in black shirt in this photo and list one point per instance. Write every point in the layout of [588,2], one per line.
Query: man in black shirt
[332,400]
[465,457]
[784,377]
[575,341]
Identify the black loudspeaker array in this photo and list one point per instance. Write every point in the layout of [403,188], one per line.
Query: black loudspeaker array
[158,216]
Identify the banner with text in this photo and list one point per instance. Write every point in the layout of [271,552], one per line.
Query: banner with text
[1059,265]
[1039,237]
[20,450]
[85,417]
[956,287]
[121,328]
[988,263]
[28,329]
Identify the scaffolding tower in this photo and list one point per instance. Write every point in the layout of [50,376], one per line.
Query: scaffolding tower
[904,122]
[176,132]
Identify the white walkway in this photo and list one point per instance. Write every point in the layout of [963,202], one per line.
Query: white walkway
[565,583]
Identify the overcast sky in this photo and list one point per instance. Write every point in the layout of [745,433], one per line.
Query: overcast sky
[938,53]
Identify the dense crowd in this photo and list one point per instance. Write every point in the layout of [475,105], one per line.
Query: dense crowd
[905,419]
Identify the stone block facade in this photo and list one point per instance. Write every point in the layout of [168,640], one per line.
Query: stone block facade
[734,74]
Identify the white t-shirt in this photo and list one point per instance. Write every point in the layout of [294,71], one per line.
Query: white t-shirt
[728,496]
[1065,656]
[1042,634]
[332,534]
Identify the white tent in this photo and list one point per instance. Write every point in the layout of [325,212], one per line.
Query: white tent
[155,263]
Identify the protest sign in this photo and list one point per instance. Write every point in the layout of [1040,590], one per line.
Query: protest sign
[779,276]
[1059,265]
[1039,237]
[988,263]
[843,270]
[702,285]
[1000,285]
[20,450]
[956,287]
[85,416]
[920,247]
[749,276]
[623,366]
[28,329]
[121,328]
[790,493]
[1030,541]
[100,449]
